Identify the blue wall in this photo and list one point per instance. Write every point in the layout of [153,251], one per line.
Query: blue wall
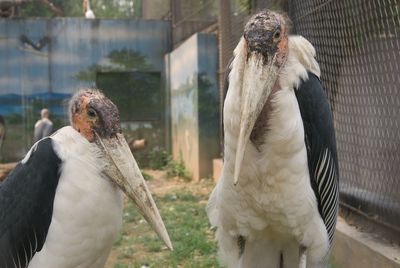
[42,62]
[194,103]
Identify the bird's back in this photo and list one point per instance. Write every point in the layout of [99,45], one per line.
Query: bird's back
[26,205]
[87,209]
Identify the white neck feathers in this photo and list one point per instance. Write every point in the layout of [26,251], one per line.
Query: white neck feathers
[301,58]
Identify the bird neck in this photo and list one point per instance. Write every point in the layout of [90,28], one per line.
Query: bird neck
[301,58]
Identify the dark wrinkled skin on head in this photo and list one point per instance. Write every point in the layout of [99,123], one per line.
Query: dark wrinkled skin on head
[109,124]
[265,34]
[91,112]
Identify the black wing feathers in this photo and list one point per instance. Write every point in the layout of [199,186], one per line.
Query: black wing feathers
[321,148]
[26,205]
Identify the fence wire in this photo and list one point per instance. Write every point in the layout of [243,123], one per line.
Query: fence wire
[189,17]
[358,49]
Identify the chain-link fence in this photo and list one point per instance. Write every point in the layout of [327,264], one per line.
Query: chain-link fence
[189,17]
[358,49]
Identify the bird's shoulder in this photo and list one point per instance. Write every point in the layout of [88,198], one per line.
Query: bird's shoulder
[26,203]
[305,53]
[315,108]
[68,142]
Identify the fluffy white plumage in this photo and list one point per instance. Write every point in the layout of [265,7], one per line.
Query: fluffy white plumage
[273,206]
[89,13]
[86,204]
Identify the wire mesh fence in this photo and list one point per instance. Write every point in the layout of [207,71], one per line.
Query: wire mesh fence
[188,17]
[358,49]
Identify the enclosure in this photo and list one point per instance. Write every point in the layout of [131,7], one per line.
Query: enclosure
[163,64]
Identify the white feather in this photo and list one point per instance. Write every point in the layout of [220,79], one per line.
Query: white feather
[273,206]
[89,13]
[87,212]
[305,53]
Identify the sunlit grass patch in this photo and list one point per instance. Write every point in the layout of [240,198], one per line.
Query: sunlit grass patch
[184,215]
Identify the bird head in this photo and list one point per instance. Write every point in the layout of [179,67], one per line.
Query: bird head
[266,37]
[92,114]
[265,45]
[96,118]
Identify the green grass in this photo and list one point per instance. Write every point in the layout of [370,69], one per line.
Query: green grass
[160,159]
[177,169]
[187,224]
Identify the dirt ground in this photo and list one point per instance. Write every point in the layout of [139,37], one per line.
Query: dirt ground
[160,185]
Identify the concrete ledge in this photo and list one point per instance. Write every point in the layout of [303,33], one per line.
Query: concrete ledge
[217,168]
[355,249]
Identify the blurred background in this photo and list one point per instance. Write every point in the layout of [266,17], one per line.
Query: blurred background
[162,62]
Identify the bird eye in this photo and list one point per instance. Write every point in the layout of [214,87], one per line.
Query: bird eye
[277,34]
[91,113]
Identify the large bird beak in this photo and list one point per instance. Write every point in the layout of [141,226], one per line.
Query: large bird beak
[259,77]
[124,171]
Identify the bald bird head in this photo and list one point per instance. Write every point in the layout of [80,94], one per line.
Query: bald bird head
[97,120]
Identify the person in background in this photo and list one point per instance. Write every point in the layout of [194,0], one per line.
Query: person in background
[43,127]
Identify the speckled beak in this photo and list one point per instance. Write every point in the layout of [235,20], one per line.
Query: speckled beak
[259,77]
[124,171]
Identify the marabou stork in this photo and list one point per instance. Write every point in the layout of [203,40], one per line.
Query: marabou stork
[276,202]
[61,207]
[87,10]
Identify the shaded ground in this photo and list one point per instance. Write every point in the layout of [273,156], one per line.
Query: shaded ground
[182,206]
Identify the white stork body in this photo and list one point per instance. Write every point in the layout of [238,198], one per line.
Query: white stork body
[273,207]
[89,12]
[86,205]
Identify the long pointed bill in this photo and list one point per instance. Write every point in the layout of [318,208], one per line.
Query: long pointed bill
[258,80]
[124,171]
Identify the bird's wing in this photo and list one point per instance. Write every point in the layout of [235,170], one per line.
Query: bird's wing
[26,205]
[211,209]
[321,148]
[226,87]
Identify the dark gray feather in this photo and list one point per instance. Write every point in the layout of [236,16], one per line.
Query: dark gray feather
[321,149]
[26,205]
